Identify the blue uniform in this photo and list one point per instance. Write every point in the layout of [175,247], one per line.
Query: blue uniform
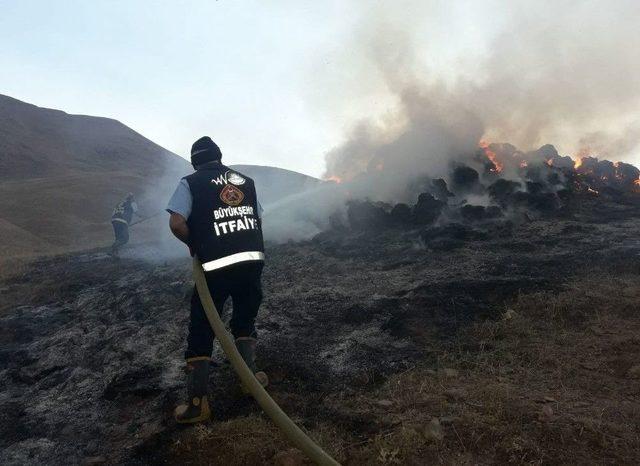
[221,209]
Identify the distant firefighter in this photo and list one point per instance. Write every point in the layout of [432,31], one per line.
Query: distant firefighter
[120,219]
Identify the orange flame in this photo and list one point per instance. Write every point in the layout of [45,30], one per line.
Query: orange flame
[484,145]
[334,178]
[578,158]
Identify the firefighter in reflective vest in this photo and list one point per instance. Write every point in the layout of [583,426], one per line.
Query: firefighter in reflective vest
[215,212]
[120,220]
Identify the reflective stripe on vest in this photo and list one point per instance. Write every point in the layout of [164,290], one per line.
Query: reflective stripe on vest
[233,259]
[121,220]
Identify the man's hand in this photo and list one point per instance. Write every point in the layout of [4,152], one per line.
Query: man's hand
[179,228]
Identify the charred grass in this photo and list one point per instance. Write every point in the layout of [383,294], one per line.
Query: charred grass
[552,379]
[47,279]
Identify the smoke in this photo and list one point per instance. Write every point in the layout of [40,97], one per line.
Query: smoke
[305,214]
[417,85]
[559,72]
[152,237]
[420,83]
[432,129]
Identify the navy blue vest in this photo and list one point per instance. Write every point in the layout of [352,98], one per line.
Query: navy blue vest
[224,225]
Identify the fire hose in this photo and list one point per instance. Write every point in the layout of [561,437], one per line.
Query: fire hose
[293,433]
[145,218]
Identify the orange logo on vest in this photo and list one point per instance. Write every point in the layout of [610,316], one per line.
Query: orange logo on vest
[231,195]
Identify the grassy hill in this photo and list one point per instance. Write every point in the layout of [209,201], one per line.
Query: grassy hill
[61,175]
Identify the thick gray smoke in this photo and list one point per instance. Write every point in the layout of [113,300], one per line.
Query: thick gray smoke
[565,73]
[418,84]
[435,130]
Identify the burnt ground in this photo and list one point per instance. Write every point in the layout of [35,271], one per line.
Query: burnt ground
[373,342]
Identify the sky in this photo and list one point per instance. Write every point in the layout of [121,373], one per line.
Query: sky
[175,71]
[276,83]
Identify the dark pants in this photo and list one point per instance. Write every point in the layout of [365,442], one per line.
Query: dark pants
[242,283]
[121,232]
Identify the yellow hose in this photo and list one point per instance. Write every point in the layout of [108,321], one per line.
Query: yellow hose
[295,435]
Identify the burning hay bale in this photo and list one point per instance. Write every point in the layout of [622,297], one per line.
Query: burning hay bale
[497,182]
[627,175]
[543,174]
[538,202]
[440,190]
[502,190]
[427,209]
[566,163]
[595,176]
[465,179]
[542,155]
[364,215]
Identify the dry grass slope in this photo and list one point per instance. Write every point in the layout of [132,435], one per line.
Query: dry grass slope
[61,175]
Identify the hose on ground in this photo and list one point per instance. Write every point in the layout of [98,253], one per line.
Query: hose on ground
[293,433]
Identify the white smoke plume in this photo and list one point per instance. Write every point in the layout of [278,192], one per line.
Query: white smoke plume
[418,83]
[531,73]
[565,73]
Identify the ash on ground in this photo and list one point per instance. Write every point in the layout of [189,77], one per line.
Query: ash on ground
[91,348]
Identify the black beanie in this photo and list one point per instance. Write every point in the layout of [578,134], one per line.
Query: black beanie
[204,150]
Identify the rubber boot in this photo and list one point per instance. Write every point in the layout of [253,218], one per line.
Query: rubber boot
[196,409]
[247,349]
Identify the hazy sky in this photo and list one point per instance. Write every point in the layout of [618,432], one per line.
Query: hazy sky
[273,82]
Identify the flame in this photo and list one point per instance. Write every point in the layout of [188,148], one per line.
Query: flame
[484,145]
[334,178]
[618,173]
[578,158]
[577,163]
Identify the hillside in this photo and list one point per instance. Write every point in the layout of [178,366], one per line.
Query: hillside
[39,142]
[62,174]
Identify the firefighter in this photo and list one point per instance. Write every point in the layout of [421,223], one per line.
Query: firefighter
[215,212]
[120,219]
